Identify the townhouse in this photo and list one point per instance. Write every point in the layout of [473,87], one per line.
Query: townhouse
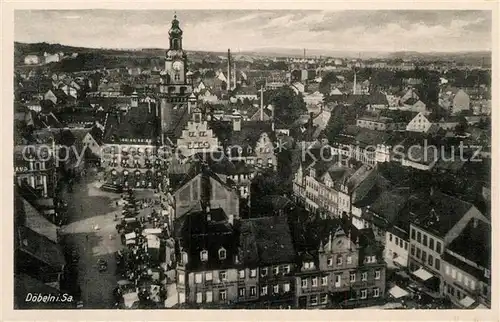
[466,266]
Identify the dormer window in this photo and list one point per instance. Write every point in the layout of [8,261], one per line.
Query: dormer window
[222,253]
[204,256]
[184,257]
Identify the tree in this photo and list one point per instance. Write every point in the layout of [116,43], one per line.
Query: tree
[462,126]
[288,105]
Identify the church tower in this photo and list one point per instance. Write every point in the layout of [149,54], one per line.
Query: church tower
[175,88]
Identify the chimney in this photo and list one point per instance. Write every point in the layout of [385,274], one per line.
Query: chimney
[228,69]
[261,103]
[354,85]
[234,74]
[330,241]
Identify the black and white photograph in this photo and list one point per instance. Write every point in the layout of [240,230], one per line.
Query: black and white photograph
[252,159]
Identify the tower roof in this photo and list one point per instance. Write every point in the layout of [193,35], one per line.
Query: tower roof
[175,30]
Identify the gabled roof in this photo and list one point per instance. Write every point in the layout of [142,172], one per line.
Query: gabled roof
[197,233]
[249,134]
[437,212]
[39,247]
[474,244]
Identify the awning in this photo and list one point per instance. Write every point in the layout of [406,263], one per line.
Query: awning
[481,307]
[130,235]
[151,231]
[130,298]
[153,241]
[397,292]
[400,261]
[466,302]
[422,274]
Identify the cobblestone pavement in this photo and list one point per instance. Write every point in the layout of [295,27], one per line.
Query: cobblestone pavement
[89,207]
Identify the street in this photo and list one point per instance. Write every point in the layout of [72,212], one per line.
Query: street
[89,207]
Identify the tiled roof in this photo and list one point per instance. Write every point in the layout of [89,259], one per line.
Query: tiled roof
[197,233]
[137,123]
[266,241]
[437,212]
[248,135]
[40,247]
[474,243]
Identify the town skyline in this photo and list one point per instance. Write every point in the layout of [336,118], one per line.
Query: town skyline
[281,31]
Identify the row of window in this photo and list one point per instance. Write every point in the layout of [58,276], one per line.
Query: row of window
[338,279]
[425,240]
[399,241]
[422,255]
[459,277]
[198,145]
[200,133]
[281,269]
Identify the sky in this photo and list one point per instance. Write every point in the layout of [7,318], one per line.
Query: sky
[253,30]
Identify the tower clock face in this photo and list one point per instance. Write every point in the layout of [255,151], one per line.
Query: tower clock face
[177,65]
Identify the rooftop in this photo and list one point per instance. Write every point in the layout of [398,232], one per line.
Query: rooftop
[266,241]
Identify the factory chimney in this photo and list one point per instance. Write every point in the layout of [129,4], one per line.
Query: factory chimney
[234,74]
[354,85]
[261,103]
[228,69]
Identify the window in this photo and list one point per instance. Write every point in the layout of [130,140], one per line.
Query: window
[396,239]
[253,272]
[314,282]
[286,269]
[472,285]
[364,276]
[412,250]
[204,256]
[223,275]
[286,287]
[181,278]
[453,273]
[430,260]
[263,271]
[253,291]
[324,298]
[329,262]
[364,294]
[197,278]
[304,283]
[438,247]
[390,237]
[352,277]
[406,245]
[413,233]
[324,280]
[376,292]
[276,289]
[241,292]
[419,237]
[199,297]
[377,274]
[209,296]
[424,256]
[349,259]
[425,240]
[418,253]
[222,295]
[241,273]
[263,290]
[431,243]
[401,242]
[208,276]
[459,277]
[222,253]
[276,270]
[447,270]
[339,260]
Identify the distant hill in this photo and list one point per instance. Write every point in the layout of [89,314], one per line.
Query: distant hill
[465,58]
